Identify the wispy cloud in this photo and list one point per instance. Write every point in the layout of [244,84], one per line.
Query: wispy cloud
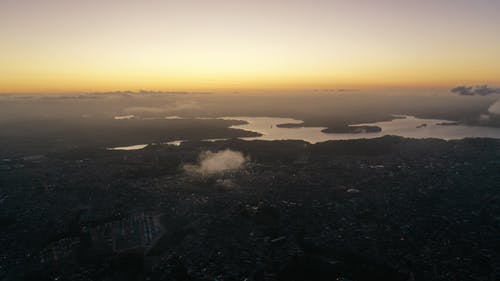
[168,108]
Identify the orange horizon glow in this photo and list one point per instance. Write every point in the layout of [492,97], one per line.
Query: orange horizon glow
[51,46]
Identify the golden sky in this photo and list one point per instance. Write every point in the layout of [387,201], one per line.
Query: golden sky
[104,45]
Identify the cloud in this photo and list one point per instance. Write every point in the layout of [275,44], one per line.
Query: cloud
[212,163]
[482,90]
[495,108]
[145,109]
[463,90]
[168,108]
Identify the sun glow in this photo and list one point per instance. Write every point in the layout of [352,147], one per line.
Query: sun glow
[57,46]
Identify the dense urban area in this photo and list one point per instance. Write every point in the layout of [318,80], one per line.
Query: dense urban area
[388,208]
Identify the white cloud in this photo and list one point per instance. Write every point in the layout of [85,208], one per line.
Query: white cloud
[495,108]
[210,163]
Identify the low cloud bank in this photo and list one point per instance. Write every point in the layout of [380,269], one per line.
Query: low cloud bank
[482,90]
[167,108]
[212,163]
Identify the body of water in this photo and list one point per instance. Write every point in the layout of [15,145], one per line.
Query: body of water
[124,117]
[402,125]
[129,147]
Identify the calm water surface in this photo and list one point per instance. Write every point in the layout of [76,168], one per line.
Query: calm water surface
[405,126]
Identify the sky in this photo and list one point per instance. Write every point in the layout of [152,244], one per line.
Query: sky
[209,45]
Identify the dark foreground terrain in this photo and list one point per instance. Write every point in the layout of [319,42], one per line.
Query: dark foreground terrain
[380,209]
